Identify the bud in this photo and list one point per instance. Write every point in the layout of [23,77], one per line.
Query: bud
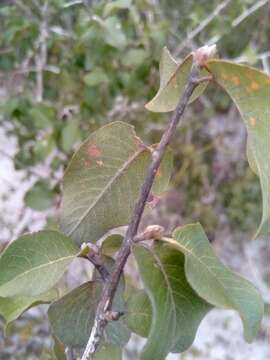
[153,232]
[203,54]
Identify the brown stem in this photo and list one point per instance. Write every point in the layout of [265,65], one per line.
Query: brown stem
[111,284]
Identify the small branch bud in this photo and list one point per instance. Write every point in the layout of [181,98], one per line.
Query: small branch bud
[203,54]
[113,315]
[152,232]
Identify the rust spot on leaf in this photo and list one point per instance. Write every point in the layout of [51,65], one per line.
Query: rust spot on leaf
[252,121]
[93,151]
[235,80]
[253,87]
[224,76]
[87,163]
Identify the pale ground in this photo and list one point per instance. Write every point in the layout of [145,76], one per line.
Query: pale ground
[220,335]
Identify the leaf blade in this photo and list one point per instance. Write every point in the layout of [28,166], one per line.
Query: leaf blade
[162,272]
[34,263]
[103,180]
[249,89]
[214,282]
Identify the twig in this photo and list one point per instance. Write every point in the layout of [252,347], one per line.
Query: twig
[111,284]
[95,258]
[248,12]
[203,24]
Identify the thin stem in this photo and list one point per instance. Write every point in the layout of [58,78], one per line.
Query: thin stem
[111,284]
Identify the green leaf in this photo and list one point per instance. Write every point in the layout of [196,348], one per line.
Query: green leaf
[139,313]
[103,181]
[34,263]
[39,197]
[173,79]
[114,6]
[113,33]
[70,133]
[72,316]
[177,310]
[58,350]
[111,244]
[109,351]
[12,307]
[42,116]
[96,77]
[214,282]
[134,57]
[250,90]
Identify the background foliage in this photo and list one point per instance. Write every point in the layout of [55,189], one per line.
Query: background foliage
[68,67]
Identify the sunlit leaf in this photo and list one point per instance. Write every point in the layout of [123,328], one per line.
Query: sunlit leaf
[214,282]
[12,307]
[177,310]
[173,79]
[250,90]
[34,263]
[103,180]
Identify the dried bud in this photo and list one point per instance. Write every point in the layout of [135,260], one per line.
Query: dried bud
[113,315]
[153,232]
[203,54]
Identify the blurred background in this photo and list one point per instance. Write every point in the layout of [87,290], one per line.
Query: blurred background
[69,67]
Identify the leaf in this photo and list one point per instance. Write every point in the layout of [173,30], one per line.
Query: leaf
[111,244]
[114,6]
[250,90]
[72,316]
[34,263]
[103,181]
[134,57]
[214,282]
[109,351]
[173,78]
[70,133]
[13,307]
[177,310]
[113,33]
[96,77]
[58,350]
[139,313]
[39,197]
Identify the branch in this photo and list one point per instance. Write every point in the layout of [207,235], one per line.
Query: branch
[95,258]
[111,284]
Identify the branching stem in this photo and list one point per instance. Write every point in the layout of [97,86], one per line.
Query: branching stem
[111,284]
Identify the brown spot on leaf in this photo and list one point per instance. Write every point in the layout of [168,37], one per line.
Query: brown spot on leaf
[252,121]
[235,80]
[93,151]
[87,163]
[253,87]
[224,76]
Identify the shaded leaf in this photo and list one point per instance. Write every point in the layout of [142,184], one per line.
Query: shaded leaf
[70,133]
[113,33]
[13,307]
[109,351]
[214,282]
[250,90]
[95,77]
[177,310]
[113,6]
[39,197]
[173,79]
[103,181]
[34,263]
[111,244]
[72,316]
[139,313]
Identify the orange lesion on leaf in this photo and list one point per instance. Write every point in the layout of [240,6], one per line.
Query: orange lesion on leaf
[87,163]
[235,79]
[252,121]
[93,151]
[224,76]
[252,87]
